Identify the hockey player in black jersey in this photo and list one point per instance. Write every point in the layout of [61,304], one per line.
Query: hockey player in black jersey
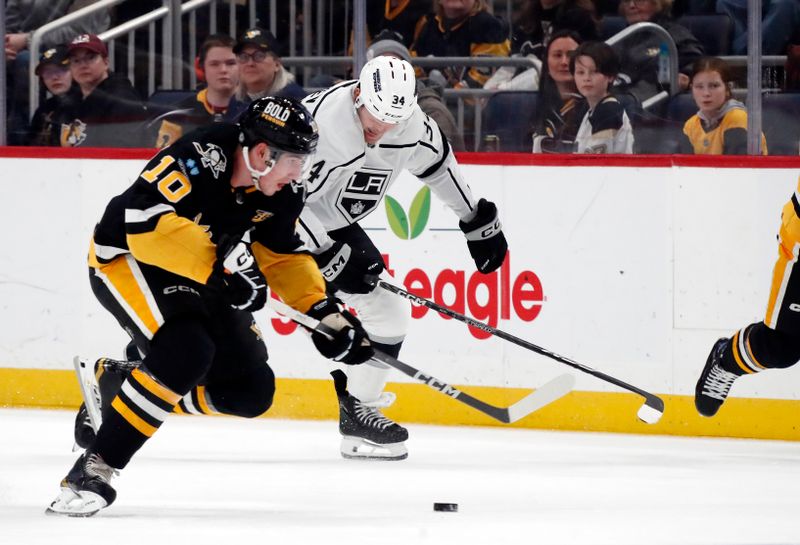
[773,343]
[181,259]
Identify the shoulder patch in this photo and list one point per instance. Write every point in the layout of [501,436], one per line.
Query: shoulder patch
[212,158]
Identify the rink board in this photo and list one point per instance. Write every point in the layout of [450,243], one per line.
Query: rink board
[632,266]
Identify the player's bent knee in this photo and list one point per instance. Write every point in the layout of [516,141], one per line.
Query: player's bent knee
[181,352]
[774,349]
[250,397]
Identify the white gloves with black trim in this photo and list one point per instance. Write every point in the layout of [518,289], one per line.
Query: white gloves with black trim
[349,269]
[485,239]
[350,345]
[239,280]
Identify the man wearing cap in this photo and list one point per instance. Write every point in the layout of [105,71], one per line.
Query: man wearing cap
[109,112]
[53,69]
[214,103]
[260,68]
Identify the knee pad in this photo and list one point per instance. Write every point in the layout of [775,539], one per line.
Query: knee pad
[248,395]
[773,349]
[181,353]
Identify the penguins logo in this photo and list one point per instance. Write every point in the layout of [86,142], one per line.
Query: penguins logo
[212,158]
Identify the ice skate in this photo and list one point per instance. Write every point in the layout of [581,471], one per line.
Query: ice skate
[366,432]
[86,489]
[99,384]
[715,382]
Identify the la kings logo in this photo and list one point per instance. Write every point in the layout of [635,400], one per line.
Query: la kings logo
[212,158]
[363,192]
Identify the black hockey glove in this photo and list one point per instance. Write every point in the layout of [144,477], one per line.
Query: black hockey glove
[350,344]
[485,240]
[352,270]
[238,278]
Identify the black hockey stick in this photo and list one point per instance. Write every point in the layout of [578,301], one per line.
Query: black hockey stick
[650,412]
[544,395]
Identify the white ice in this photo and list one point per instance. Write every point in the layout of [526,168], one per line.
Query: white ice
[223,481]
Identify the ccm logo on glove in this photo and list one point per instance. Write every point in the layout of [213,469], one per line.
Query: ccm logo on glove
[485,239]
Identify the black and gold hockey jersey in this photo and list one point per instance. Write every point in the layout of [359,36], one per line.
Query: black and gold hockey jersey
[182,203]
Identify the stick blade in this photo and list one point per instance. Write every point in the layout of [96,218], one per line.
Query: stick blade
[542,396]
[652,411]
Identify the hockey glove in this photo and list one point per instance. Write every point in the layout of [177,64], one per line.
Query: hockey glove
[240,281]
[350,344]
[351,270]
[485,240]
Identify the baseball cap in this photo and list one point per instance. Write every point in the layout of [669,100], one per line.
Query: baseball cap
[263,39]
[58,55]
[90,42]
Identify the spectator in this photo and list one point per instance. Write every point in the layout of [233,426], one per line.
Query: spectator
[109,111]
[53,69]
[560,108]
[539,19]
[534,26]
[22,18]
[639,55]
[779,19]
[720,125]
[260,70]
[212,104]
[462,28]
[430,95]
[400,16]
[605,127]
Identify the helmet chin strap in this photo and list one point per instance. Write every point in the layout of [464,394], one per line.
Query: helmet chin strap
[255,175]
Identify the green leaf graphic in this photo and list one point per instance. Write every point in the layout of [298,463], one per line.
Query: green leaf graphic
[420,211]
[397,218]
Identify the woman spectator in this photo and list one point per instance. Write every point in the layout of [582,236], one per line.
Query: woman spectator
[462,28]
[720,125]
[559,109]
[605,127]
[639,55]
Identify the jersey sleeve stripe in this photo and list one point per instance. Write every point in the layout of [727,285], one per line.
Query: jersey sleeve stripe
[142,216]
[438,164]
[460,190]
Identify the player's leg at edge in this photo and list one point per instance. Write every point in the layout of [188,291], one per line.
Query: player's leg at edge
[751,350]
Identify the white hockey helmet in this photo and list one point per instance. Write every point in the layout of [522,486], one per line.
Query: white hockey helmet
[388,89]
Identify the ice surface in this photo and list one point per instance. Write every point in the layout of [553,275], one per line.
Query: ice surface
[223,481]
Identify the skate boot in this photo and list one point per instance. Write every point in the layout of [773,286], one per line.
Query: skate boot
[99,385]
[715,382]
[86,489]
[366,433]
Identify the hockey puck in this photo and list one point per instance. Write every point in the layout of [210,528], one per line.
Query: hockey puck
[446,507]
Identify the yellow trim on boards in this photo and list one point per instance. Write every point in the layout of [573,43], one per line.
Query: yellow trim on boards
[577,411]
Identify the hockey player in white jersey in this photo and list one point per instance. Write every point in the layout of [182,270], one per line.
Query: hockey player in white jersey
[370,130]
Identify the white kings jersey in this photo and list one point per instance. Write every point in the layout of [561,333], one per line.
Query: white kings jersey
[349,178]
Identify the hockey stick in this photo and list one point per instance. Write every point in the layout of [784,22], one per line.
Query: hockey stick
[544,395]
[650,412]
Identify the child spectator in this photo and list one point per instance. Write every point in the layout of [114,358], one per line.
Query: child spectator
[558,113]
[720,125]
[53,69]
[212,104]
[605,127]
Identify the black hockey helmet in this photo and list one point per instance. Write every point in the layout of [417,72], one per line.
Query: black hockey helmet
[282,122]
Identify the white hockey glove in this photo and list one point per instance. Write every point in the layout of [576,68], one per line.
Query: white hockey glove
[485,240]
[239,280]
[350,345]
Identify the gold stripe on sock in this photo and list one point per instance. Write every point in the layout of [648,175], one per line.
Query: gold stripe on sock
[133,419]
[737,357]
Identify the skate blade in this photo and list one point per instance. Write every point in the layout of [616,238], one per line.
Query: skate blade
[356,448]
[75,504]
[90,391]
